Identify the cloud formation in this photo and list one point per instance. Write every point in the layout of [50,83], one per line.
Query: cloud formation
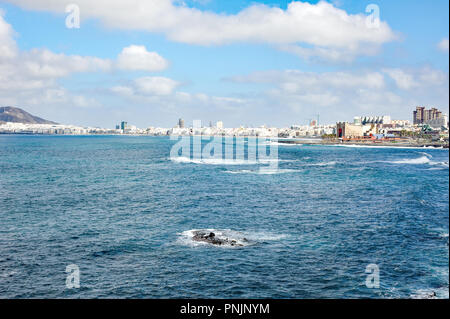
[330,31]
[31,77]
[340,95]
[137,58]
[418,78]
[147,86]
[443,45]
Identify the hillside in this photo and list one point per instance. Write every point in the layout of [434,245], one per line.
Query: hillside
[17,115]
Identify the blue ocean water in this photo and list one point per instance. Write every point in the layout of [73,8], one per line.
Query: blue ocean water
[121,210]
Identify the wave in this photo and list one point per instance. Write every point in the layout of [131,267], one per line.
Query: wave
[263,171]
[225,238]
[440,165]
[8,274]
[439,293]
[413,161]
[424,159]
[284,144]
[332,163]
[220,161]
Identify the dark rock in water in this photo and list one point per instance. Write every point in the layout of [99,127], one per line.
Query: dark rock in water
[211,238]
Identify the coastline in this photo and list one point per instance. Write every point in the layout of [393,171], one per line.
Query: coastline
[370,144]
[280,140]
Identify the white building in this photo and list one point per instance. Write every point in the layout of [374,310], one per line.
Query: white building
[439,122]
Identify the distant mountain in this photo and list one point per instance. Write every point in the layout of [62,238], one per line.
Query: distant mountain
[16,115]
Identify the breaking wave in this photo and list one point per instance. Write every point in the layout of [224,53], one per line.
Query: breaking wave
[413,161]
[438,165]
[220,161]
[284,144]
[440,293]
[424,159]
[332,163]
[267,171]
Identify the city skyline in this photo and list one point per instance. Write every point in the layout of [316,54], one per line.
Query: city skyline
[102,73]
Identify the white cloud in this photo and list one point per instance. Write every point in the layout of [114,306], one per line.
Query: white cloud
[329,54]
[294,81]
[46,64]
[8,47]
[31,77]
[341,95]
[155,85]
[419,78]
[332,30]
[123,90]
[403,79]
[137,57]
[443,45]
[146,87]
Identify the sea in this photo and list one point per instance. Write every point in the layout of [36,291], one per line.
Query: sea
[115,217]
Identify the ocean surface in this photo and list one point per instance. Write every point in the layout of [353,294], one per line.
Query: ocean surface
[122,211]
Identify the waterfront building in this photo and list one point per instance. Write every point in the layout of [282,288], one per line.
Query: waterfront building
[400,123]
[219,125]
[422,116]
[438,122]
[347,130]
[363,120]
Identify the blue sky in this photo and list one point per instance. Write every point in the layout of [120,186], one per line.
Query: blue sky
[219,63]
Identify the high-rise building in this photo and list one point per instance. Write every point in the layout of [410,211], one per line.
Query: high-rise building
[181,123]
[418,115]
[219,125]
[123,125]
[422,115]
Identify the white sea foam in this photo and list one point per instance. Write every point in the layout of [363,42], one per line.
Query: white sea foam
[284,144]
[440,165]
[264,171]
[332,163]
[424,159]
[262,236]
[440,293]
[413,161]
[220,161]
